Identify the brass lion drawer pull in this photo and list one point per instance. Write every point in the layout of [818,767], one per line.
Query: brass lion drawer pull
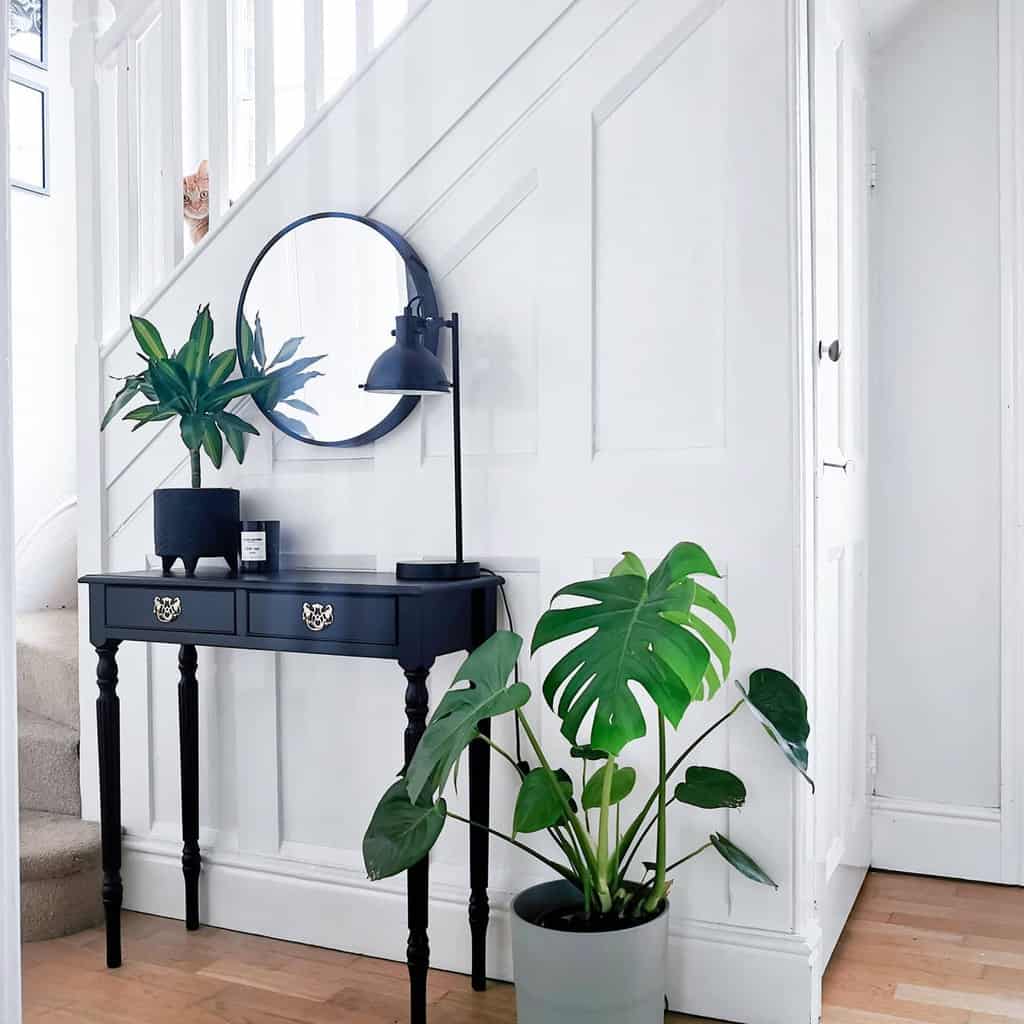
[317,617]
[166,609]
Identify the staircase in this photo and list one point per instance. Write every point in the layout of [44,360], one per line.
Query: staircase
[60,853]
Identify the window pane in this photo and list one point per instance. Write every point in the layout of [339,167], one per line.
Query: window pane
[28,129]
[26,29]
[289,72]
[339,44]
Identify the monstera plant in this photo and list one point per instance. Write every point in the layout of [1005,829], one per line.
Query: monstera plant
[663,638]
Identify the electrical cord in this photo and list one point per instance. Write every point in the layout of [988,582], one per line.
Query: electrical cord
[521,763]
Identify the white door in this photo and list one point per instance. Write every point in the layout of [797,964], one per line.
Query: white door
[841,185]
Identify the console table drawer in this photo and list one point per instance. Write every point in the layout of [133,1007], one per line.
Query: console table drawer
[188,608]
[369,619]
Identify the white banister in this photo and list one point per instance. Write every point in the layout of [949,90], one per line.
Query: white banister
[313,33]
[266,136]
[364,31]
[169,203]
[217,116]
[127,188]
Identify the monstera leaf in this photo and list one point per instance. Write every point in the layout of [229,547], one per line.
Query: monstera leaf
[781,708]
[539,805]
[401,833]
[711,788]
[643,633]
[742,862]
[622,783]
[454,724]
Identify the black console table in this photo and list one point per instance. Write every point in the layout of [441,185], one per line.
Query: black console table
[354,614]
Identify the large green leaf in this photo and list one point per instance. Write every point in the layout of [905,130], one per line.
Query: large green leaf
[781,708]
[219,368]
[634,640]
[246,346]
[144,414]
[148,338]
[454,723]
[216,398]
[213,443]
[401,833]
[193,431]
[129,390]
[741,861]
[196,353]
[538,805]
[623,781]
[170,382]
[711,788]
[229,419]
[235,438]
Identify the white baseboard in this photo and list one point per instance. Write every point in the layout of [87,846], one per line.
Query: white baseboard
[720,971]
[937,839]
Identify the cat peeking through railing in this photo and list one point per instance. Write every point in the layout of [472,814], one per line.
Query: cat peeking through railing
[197,202]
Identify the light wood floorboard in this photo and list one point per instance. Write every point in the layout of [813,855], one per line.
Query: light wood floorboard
[915,951]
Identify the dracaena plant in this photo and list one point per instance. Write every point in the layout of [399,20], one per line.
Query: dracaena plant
[195,386]
[662,637]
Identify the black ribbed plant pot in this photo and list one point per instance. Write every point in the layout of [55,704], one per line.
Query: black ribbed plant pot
[196,522]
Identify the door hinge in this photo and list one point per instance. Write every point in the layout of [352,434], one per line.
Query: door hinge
[873,171]
[873,760]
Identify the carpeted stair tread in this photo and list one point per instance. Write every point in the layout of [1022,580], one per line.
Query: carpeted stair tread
[48,664]
[48,777]
[61,875]
[56,845]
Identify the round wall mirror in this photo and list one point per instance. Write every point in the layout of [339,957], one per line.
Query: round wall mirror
[317,307]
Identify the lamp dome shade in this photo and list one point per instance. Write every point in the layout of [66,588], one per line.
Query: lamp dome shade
[408,367]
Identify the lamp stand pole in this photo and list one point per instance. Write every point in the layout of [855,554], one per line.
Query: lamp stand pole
[460,569]
[453,325]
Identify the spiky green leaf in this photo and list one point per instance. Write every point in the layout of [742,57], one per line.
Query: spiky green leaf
[148,338]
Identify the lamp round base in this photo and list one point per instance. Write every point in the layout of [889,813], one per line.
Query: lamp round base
[437,572]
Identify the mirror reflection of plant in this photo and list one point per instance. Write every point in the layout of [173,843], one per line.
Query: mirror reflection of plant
[665,633]
[289,378]
[193,385]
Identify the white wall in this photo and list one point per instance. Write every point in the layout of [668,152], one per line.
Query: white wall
[45,321]
[608,193]
[935,412]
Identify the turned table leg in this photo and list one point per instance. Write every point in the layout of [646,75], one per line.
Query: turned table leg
[188,733]
[108,735]
[480,814]
[418,948]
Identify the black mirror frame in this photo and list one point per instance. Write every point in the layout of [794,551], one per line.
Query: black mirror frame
[418,284]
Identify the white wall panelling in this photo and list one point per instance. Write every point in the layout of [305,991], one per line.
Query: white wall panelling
[511,172]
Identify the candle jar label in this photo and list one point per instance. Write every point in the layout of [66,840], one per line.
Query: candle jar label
[254,546]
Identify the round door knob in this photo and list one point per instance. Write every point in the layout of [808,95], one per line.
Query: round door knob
[834,350]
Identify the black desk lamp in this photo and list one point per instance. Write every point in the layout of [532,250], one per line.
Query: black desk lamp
[410,368]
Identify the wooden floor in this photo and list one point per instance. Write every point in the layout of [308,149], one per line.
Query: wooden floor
[915,950]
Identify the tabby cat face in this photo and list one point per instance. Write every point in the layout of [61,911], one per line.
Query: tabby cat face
[197,193]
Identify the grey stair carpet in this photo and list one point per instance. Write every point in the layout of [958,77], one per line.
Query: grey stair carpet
[47,765]
[60,875]
[60,854]
[48,665]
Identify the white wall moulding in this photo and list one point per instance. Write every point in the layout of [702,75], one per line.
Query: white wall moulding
[937,839]
[509,175]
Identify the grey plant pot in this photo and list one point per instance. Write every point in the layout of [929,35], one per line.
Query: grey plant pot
[593,978]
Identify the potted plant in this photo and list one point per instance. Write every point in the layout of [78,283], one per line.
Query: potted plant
[591,944]
[196,387]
